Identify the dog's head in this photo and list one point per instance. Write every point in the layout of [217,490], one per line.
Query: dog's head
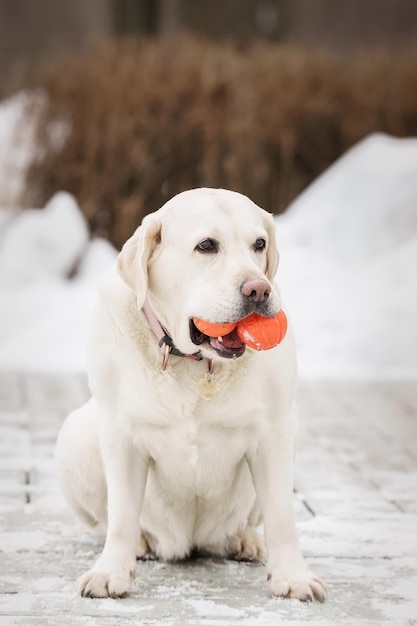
[207,253]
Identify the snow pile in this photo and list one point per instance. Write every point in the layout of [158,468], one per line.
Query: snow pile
[348,257]
[42,243]
[44,314]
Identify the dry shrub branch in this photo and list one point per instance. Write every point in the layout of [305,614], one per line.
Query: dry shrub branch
[148,121]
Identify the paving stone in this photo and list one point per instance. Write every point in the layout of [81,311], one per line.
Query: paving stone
[355,503]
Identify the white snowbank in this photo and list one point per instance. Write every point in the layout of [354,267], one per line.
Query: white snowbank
[348,257]
[44,315]
[42,243]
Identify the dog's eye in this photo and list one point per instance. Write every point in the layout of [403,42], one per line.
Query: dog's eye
[207,245]
[260,244]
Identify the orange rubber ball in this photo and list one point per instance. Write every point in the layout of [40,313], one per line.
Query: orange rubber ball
[214,330]
[262,333]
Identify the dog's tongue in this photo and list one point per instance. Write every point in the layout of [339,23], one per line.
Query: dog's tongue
[230,341]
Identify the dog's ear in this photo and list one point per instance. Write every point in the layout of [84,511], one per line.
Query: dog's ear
[133,259]
[272,253]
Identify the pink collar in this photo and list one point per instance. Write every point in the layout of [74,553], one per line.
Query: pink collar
[165,341]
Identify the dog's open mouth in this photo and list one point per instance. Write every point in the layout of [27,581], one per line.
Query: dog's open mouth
[229,346]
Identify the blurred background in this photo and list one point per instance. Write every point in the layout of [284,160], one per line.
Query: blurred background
[123,103]
[161,95]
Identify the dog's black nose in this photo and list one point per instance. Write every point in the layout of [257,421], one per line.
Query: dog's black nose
[257,290]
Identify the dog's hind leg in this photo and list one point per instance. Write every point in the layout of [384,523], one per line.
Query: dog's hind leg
[79,467]
[246,545]
[145,548]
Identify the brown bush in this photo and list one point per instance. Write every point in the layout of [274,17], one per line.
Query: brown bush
[149,121]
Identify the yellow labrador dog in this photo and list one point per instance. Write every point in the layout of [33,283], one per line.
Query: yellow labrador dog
[188,440]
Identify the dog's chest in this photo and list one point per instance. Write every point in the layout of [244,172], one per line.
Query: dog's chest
[198,452]
[199,460]
[195,446]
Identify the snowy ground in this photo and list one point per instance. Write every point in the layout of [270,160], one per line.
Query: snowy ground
[356,511]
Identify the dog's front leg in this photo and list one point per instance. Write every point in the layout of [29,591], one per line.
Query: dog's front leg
[126,473]
[272,471]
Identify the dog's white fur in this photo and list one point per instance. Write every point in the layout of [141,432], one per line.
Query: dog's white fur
[163,470]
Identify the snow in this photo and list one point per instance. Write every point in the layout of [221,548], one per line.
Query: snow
[348,248]
[40,244]
[44,314]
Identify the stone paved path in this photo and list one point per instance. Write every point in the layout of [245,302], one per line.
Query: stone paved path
[356,503]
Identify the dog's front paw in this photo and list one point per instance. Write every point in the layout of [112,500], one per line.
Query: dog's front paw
[304,586]
[97,583]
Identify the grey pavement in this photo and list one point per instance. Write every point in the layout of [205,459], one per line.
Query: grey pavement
[355,500]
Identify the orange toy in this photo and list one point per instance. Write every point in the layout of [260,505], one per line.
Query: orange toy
[256,331]
[262,333]
[214,330]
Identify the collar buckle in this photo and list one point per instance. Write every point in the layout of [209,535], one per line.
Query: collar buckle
[169,347]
